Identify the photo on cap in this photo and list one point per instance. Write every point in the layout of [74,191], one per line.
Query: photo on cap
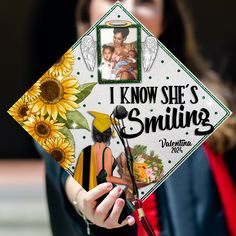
[119,59]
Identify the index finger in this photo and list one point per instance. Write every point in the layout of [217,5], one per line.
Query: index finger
[98,191]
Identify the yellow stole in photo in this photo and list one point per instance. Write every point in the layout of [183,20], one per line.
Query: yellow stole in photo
[85,171]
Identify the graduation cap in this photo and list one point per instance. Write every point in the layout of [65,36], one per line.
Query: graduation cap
[102,121]
[158,92]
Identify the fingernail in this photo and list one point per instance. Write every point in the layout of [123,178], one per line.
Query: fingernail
[119,189]
[130,220]
[120,203]
[109,186]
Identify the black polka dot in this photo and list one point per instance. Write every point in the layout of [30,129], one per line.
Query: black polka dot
[151,110]
[131,128]
[118,142]
[84,137]
[118,16]
[178,70]
[186,133]
[167,77]
[169,161]
[203,97]
[91,76]
[78,73]
[78,58]
[73,167]
[162,61]
[99,103]
[142,192]
[84,105]
[216,113]
[150,77]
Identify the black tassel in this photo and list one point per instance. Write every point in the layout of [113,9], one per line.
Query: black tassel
[120,113]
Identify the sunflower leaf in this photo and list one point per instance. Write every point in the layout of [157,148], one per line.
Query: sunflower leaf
[60,119]
[75,120]
[68,136]
[85,90]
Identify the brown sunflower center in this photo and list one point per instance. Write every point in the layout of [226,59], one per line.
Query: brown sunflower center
[51,91]
[59,61]
[42,129]
[22,112]
[58,154]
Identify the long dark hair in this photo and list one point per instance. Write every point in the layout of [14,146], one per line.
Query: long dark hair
[178,36]
[101,137]
[123,31]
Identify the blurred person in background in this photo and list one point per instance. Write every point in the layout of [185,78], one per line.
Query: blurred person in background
[198,198]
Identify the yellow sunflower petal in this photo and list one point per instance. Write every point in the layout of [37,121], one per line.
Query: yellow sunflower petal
[60,142]
[68,148]
[65,104]
[69,82]
[48,108]
[72,104]
[54,112]
[49,145]
[63,115]
[43,110]
[64,145]
[67,64]
[61,108]
[63,67]
[64,165]
[70,97]
[37,106]
[71,90]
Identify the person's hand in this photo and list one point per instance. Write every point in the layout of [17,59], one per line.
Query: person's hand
[125,68]
[118,58]
[118,72]
[100,214]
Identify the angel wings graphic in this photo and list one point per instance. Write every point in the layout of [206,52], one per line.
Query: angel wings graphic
[89,52]
[88,49]
[149,52]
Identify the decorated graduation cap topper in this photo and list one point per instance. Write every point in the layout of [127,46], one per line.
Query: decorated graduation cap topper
[118,71]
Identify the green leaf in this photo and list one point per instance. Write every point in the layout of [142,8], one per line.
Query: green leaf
[85,90]
[68,136]
[75,120]
[160,166]
[60,119]
[139,150]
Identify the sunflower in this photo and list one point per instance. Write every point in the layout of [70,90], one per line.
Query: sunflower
[63,67]
[20,111]
[33,92]
[61,151]
[56,97]
[41,129]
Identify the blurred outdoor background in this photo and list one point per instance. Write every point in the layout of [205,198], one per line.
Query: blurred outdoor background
[23,209]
